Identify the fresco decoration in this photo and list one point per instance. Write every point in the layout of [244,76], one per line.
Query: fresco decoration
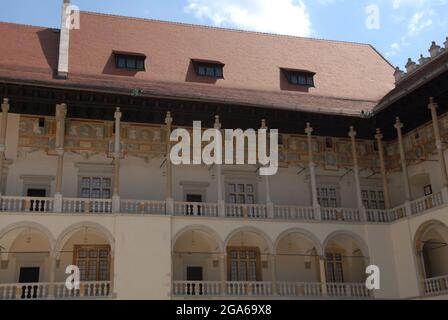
[37,133]
[142,140]
[419,145]
[87,137]
[328,153]
[148,141]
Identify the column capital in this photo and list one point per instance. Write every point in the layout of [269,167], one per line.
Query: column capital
[352,133]
[61,110]
[379,135]
[432,104]
[398,125]
[309,130]
[168,118]
[263,124]
[5,105]
[217,124]
[117,114]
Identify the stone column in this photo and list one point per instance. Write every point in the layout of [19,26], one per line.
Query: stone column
[219,181]
[267,182]
[362,209]
[407,189]
[169,178]
[439,145]
[61,113]
[274,274]
[222,272]
[3,130]
[117,156]
[379,141]
[314,202]
[52,288]
[323,276]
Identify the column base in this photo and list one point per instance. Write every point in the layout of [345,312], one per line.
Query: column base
[363,214]
[221,208]
[116,207]
[317,212]
[407,206]
[270,210]
[444,194]
[57,206]
[169,206]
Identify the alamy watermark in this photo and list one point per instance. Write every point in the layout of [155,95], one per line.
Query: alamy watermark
[230,151]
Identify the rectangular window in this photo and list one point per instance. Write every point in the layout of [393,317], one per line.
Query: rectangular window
[244,264]
[209,69]
[241,193]
[96,187]
[373,199]
[335,271]
[93,262]
[300,78]
[130,62]
[327,196]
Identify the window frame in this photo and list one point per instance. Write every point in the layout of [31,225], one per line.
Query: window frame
[78,247]
[297,74]
[92,176]
[336,197]
[258,264]
[129,57]
[209,65]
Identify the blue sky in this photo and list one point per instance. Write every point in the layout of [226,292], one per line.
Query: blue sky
[399,29]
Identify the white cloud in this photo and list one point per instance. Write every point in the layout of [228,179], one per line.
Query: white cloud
[419,21]
[276,16]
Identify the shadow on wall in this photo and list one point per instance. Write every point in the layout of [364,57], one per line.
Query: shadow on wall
[193,77]
[49,43]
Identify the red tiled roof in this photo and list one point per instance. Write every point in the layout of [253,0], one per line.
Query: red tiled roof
[349,77]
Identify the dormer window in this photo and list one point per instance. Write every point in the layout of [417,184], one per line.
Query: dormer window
[211,69]
[300,77]
[130,61]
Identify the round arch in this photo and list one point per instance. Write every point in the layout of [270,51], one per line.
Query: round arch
[67,232]
[31,225]
[311,237]
[209,231]
[256,231]
[423,230]
[359,241]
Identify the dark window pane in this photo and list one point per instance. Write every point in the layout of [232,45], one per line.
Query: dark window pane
[210,71]
[219,72]
[130,63]
[121,61]
[294,79]
[140,64]
[201,71]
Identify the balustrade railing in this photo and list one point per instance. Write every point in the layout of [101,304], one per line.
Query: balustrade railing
[26,204]
[348,290]
[198,209]
[293,213]
[340,214]
[244,211]
[81,205]
[426,203]
[143,207]
[196,288]
[251,211]
[41,291]
[436,286]
[249,288]
[299,289]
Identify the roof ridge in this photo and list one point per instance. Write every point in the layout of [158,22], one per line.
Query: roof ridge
[225,29]
[28,25]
